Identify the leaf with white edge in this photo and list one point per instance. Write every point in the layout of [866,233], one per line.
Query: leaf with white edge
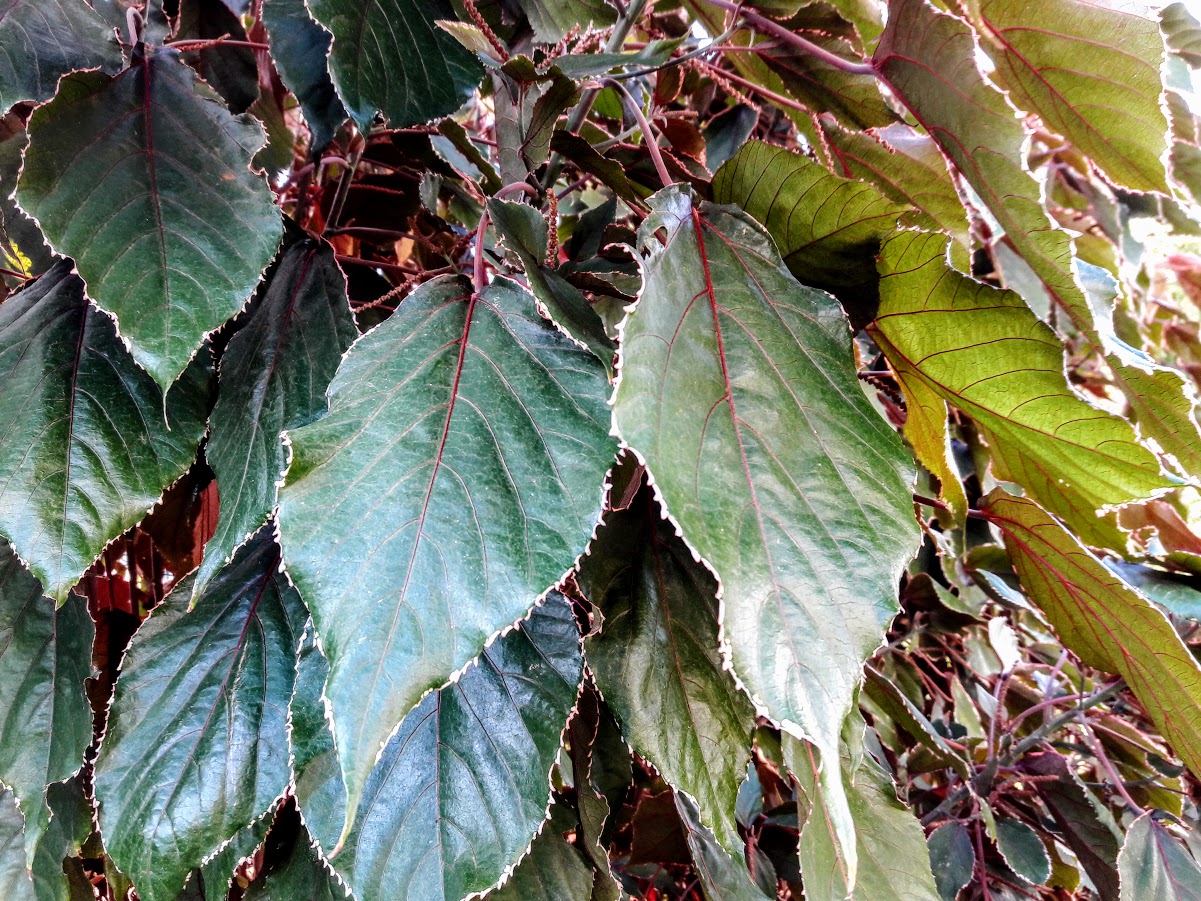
[43,40]
[320,792]
[1091,71]
[1154,863]
[22,247]
[1182,32]
[723,877]
[891,847]
[554,870]
[1109,624]
[211,881]
[273,376]
[144,180]
[83,444]
[982,350]
[657,661]
[197,743]
[15,881]
[303,875]
[738,388]
[1023,850]
[228,67]
[392,57]
[952,858]
[69,827]
[299,49]
[828,229]
[45,656]
[456,477]
[463,785]
[553,19]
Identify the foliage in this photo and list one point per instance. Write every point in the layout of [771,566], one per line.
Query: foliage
[581,449]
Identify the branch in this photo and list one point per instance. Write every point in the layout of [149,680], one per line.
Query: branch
[775,28]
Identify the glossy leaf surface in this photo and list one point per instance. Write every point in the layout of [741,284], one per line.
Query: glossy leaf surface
[300,47]
[553,869]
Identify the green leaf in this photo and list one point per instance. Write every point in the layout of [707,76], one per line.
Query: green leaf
[980,349]
[69,827]
[827,228]
[83,443]
[1182,32]
[891,848]
[1023,850]
[1105,621]
[723,876]
[15,881]
[459,405]
[552,19]
[144,179]
[1156,864]
[303,876]
[952,859]
[392,57]
[274,375]
[658,665]
[232,71]
[738,388]
[45,656]
[1091,71]
[554,870]
[320,791]
[197,743]
[22,247]
[43,40]
[462,787]
[212,880]
[299,48]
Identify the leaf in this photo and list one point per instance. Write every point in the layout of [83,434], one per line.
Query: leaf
[320,792]
[737,388]
[143,179]
[299,49]
[197,743]
[553,19]
[952,858]
[15,882]
[69,827]
[303,875]
[554,869]
[723,876]
[457,475]
[212,880]
[231,71]
[893,864]
[462,787]
[1105,621]
[980,349]
[1091,71]
[22,247]
[83,442]
[1182,32]
[274,375]
[43,40]
[391,57]
[827,228]
[1155,864]
[45,656]
[1023,850]
[658,665]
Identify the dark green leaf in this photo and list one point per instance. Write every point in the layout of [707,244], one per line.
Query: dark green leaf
[42,40]
[1156,864]
[45,656]
[952,858]
[274,375]
[144,179]
[231,71]
[456,477]
[391,57]
[320,792]
[554,870]
[83,442]
[658,665]
[462,787]
[303,876]
[724,877]
[552,19]
[22,247]
[299,47]
[738,388]
[1023,850]
[211,881]
[197,743]
[15,881]
[69,827]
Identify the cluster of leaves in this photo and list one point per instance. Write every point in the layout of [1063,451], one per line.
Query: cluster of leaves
[808,505]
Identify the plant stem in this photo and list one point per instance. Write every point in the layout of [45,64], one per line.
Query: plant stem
[648,135]
[775,28]
[352,164]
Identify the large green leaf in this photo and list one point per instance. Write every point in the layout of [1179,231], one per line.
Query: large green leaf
[274,374]
[554,870]
[302,876]
[456,477]
[724,877]
[144,179]
[1108,623]
[658,665]
[391,57]
[197,743]
[982,350]
[462,787]
[1091,71]
[320,791]
[45,656]
[84,447]
[15,881]
[828,228]
[738,388]
[1156,864]
[43,40]
[299,47]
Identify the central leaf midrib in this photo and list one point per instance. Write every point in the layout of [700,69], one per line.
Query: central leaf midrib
[152,176]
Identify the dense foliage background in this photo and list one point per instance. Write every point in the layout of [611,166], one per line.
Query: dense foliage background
[585,449]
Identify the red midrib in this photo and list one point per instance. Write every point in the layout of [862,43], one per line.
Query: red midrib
[72,392]
[152,177]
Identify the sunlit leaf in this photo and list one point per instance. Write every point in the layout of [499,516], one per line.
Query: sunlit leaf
[1156,864]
